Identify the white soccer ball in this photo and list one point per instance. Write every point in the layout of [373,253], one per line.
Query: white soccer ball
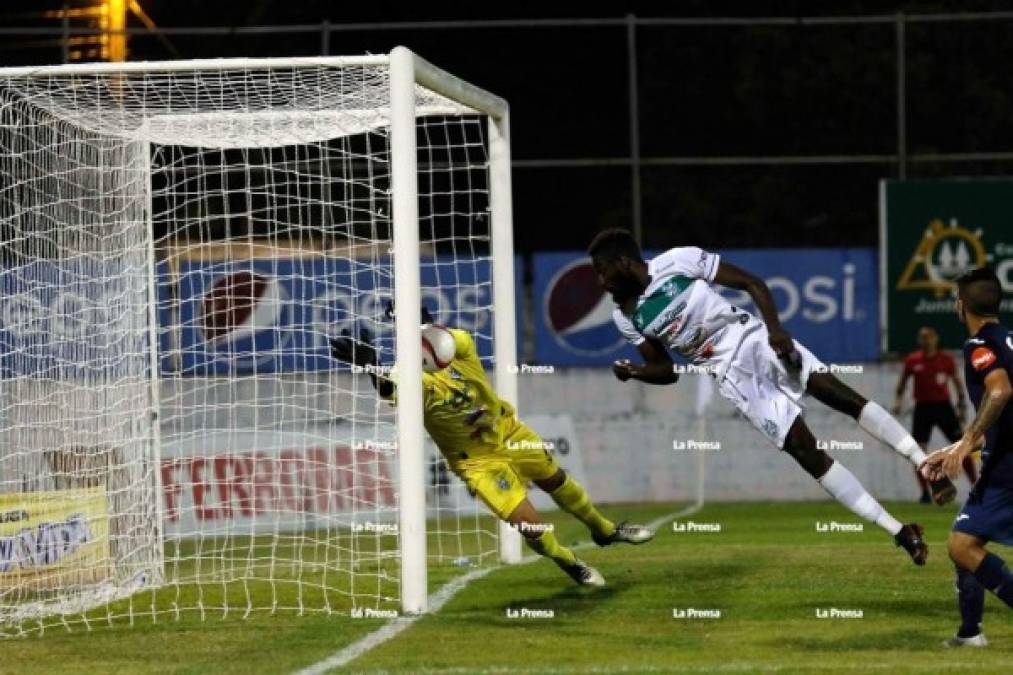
[438,348]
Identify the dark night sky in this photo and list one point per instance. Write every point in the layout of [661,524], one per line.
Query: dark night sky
[725,91]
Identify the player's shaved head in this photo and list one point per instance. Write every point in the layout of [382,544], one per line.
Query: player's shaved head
[614,243]
[980,292]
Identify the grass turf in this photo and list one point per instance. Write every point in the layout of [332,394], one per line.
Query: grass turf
[768,572]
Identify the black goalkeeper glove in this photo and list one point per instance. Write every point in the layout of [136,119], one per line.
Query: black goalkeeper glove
[359,352]
[425,315]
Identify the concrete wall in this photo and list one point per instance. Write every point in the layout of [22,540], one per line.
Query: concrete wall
[627,430]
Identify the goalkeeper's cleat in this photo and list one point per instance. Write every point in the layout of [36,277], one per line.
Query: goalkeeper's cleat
[584,574]
[943,491]
[973,641]
[624,532]
[910,539]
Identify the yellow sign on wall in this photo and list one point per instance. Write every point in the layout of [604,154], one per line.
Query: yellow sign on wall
[54,539]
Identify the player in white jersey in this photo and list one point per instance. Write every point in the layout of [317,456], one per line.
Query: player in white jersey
[667,305]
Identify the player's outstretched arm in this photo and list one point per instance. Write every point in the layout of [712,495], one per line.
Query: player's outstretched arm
[656,369]
[734,277]
[361,353]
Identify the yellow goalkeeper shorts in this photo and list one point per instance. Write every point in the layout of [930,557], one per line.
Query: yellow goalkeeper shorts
[500,478]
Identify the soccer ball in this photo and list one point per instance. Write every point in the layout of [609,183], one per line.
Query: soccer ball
[438,348]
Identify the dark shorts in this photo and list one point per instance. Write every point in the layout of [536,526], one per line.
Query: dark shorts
[935,414]
[988,515]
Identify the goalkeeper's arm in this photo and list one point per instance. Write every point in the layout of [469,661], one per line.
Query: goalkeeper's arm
[361,353]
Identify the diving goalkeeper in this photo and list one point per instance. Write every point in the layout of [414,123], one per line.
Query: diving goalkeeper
[493,452]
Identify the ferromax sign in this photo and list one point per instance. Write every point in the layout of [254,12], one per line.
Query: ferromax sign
[827,298]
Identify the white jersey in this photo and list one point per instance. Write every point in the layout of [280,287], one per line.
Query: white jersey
[681,310]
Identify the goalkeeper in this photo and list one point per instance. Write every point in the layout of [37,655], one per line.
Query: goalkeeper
[493,452]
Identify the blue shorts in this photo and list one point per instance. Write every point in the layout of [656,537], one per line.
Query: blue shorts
[988,517]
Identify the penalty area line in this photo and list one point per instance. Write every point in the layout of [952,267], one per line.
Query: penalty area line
[436,602]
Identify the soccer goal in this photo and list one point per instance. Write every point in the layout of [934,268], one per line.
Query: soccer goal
[179,240]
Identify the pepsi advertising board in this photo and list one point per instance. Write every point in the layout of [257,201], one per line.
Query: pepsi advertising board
[827,299]
[276,315]
[74,319]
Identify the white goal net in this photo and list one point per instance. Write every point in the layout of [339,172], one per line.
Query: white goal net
[179,242]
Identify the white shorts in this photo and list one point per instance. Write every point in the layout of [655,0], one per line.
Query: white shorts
[763,388]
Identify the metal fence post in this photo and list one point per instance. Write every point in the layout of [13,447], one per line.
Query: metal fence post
[901,97]
[325,38]
[634,103]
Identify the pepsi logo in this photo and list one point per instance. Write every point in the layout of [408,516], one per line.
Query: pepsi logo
[578,312]
[242,316]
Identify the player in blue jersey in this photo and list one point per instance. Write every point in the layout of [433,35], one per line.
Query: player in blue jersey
[988,514]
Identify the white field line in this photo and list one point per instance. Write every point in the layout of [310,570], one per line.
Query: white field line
[437,600]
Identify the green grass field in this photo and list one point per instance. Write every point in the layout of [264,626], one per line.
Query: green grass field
[768,572]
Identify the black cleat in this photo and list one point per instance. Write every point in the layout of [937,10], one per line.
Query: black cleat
[943,491]
[910,539]
[584,574]
[630,534]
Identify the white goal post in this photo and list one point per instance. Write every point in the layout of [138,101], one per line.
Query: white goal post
[179,240]
[408,69]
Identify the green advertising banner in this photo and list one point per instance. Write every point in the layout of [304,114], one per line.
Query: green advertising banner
[931,232]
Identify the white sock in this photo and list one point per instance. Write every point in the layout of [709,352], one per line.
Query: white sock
[845,488]
[885,428]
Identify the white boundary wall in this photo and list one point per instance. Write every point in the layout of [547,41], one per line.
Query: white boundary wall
[626,433]
[620,435]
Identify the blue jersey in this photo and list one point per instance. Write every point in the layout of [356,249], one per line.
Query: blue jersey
[989,350]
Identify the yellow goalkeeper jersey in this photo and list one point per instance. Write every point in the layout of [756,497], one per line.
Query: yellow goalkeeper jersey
[462,412]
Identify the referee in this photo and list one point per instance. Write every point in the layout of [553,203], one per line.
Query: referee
[932,371]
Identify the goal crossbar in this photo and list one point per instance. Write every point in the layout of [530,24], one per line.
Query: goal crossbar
[426,74]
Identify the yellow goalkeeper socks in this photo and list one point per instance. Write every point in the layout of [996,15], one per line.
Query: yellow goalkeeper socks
[572,498]
[547,545]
